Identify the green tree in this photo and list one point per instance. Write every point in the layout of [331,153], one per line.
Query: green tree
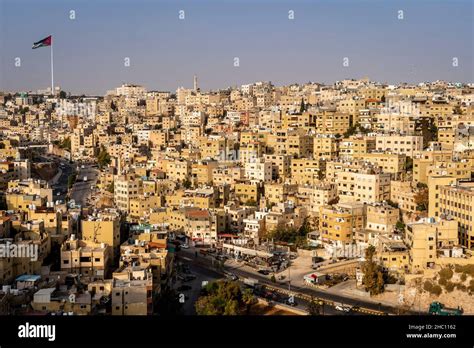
[373,279]
[71,179]
[302,107]
[187,184]
[400,225]
[110,187]
[251,203]
[249,299]
[313,307]
[220,298]
[103,158]
[62,94]
[65,144]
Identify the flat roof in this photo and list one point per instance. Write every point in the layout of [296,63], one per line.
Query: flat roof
[28,278]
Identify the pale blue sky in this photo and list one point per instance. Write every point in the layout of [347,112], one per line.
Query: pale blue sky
[165,51]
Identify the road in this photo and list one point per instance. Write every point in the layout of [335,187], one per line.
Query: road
[82,190]
[60,185]
[202,274]
[303,293]
[202,268]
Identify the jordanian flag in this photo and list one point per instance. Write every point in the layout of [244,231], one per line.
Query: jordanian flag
[42,43]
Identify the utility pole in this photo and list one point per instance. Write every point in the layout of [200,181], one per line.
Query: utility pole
[289,275]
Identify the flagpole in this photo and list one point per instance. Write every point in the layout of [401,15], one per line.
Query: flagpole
[52,70]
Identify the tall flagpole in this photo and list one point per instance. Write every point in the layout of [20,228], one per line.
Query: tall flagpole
[52,69]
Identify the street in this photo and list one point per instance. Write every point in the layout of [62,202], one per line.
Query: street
[201,267]
[301,292]
[81,189]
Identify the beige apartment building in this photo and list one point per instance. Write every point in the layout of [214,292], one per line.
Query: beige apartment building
[281,165]
[400,144]
[402,193]
[381,217]
[368,188]
[356,147]
[90,259]
[103,228]
[457,201]
[337,223]
[126,188]
[424,159]
[325,146]
[424,237]
[435,182]
[305,171]
[394,164]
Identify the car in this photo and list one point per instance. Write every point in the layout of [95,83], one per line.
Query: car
[184,246]
[263,271]
[232,276]
[184,288]
[290,301]
[343,308]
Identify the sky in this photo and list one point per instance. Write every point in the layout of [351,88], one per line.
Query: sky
[166,51]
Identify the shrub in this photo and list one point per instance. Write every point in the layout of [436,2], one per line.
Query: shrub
[468,269]
[436,290]
[471,286]
[463,277]
[428,286]
[449,286]
[442,281]
[461,287]
[446,273]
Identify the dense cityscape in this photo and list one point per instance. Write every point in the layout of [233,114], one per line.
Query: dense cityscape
[350,198]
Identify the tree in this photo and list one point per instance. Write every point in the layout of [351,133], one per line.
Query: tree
[313,307]
[400,226]
[249,299]
[103,158]
[289,234]
[110,187]
[62,94]
[187,183]
[65,144]
[373,279]
[220,298]
[409,164]
[71,179]
[302,107]
[251,203]
[422,199]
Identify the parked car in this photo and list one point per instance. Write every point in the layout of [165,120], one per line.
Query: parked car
[184,246]
[343,308]
[264,271]
[290,301]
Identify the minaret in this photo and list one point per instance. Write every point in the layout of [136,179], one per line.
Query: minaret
[195,83]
